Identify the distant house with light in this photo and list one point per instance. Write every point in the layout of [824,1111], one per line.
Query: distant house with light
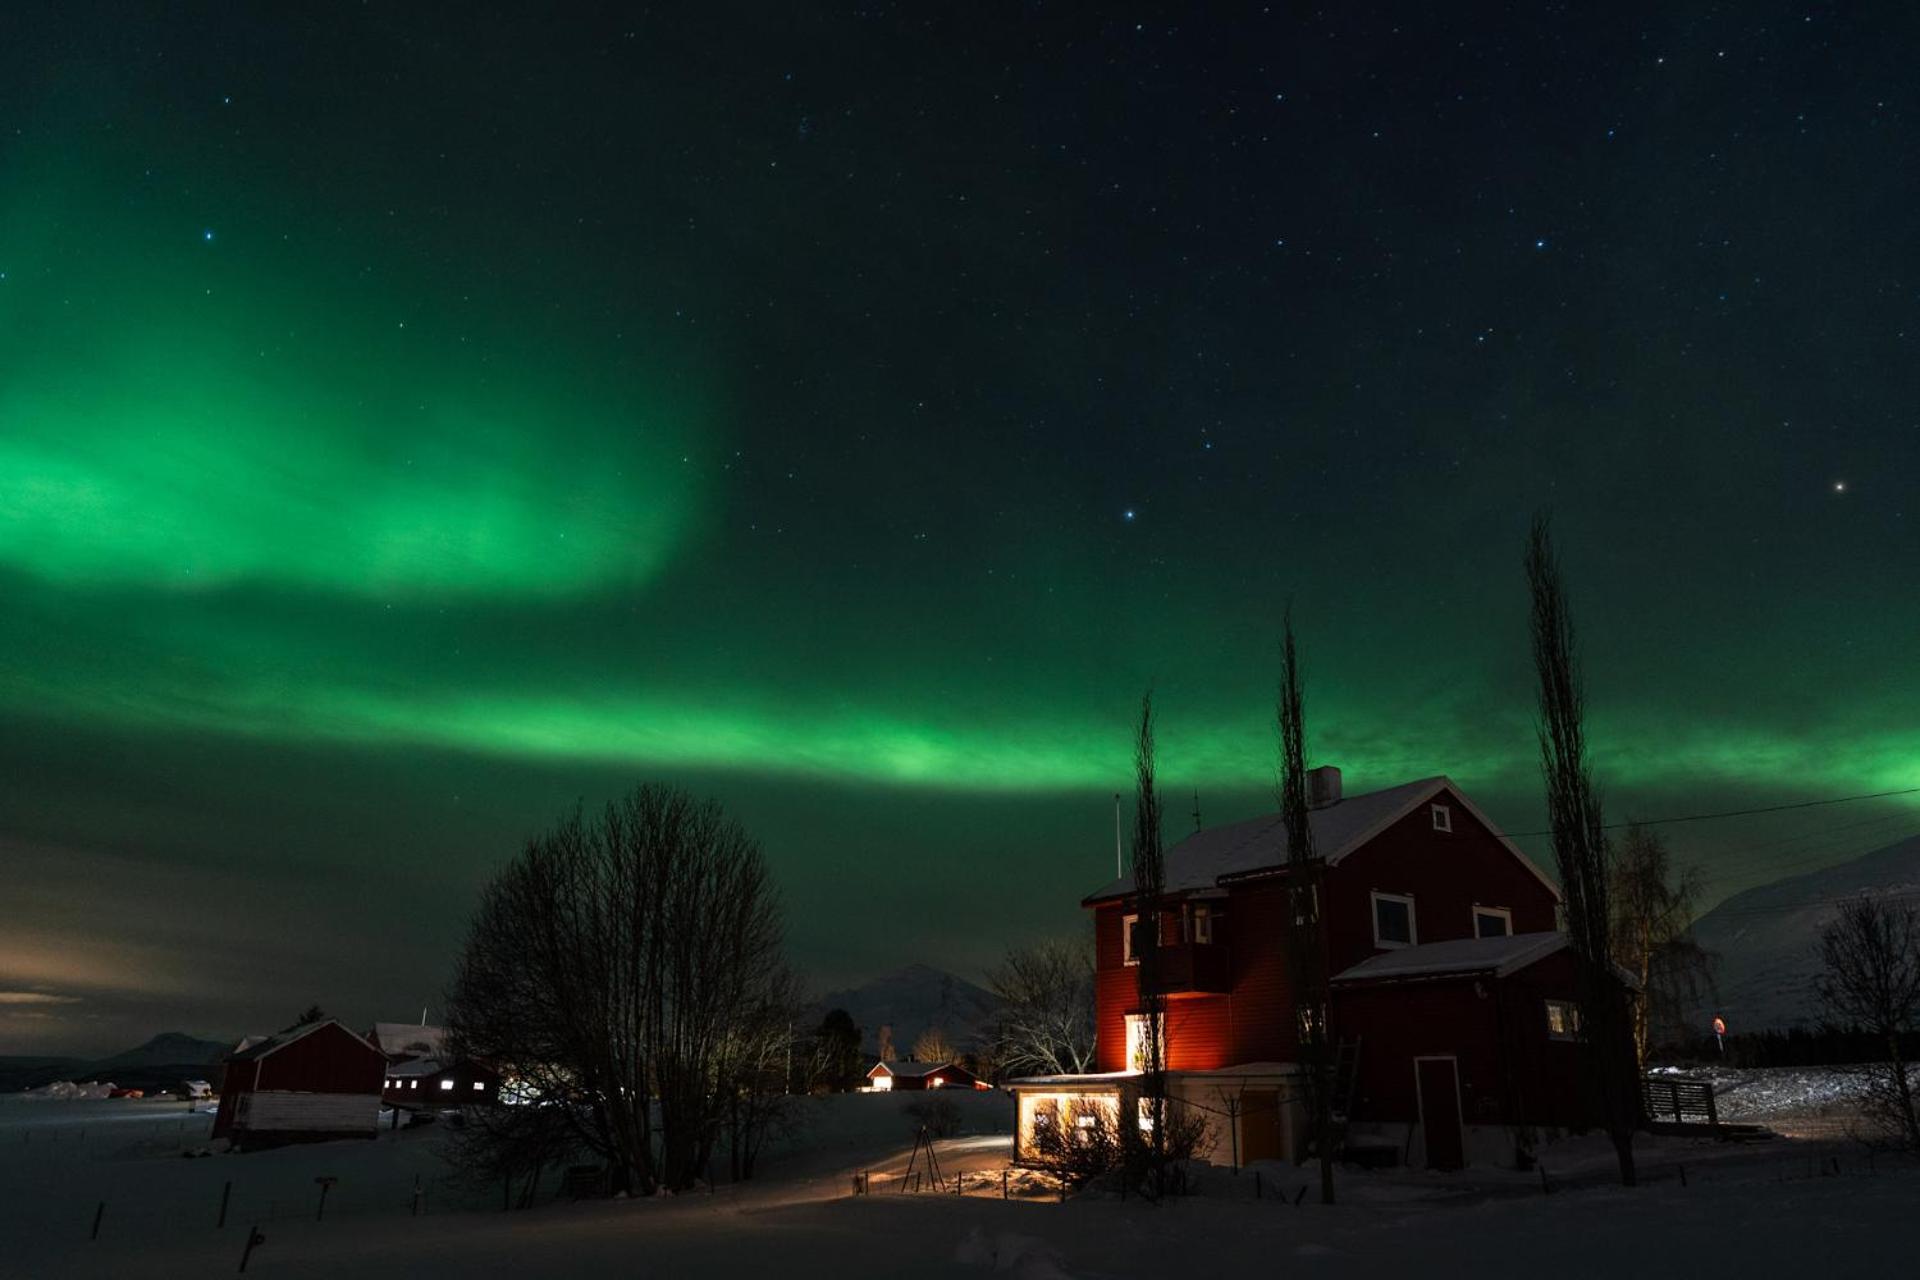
[893,1077]
[1452,994]
[308,1084]
[420,1074]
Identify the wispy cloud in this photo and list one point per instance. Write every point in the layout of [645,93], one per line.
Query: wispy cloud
[35,998]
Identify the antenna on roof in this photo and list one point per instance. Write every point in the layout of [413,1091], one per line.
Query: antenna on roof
[1196,811]
[1117,872]
[423,1015]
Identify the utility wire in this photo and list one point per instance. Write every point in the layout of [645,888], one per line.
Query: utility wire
[1735,813]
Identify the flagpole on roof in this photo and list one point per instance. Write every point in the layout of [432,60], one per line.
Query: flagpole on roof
[1117,863]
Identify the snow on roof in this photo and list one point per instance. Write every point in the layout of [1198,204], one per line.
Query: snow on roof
[408,1037]
[415,1067]
[913,1068]
[1260,844]
[1498,956]
[253,1048]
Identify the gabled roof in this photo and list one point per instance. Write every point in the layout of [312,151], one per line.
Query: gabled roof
[252,1049]
[911,1069]
[1498,956]
[1259,845]
[396,1038]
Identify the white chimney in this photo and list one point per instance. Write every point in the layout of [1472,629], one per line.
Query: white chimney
[1323,787]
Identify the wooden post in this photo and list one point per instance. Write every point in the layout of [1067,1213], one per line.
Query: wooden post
[98,1213]
[1683,1175]
[416,1196]
[226,1194]
[326,1185]
[1546,1188]
[1003,1186]
[253,1238]
[1259,1192]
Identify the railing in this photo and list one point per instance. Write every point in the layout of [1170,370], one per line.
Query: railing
[1193,967]
[1673,1100]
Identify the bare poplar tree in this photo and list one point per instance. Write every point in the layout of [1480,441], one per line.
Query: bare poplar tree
[1306,946]
[1046,1020]
[626,965]
[1871,953]
[1653,913]
[1580,845]
[1149,890]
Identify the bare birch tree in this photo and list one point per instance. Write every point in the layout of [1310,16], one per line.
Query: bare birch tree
[1306,945]
[1871,954]
[1580,845]
[624,969]
[1653,912]
[1046,1020]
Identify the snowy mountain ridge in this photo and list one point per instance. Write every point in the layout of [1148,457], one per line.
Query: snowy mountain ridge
[1768,938]
[912,1000]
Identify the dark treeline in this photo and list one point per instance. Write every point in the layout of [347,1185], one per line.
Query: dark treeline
[1799,1047]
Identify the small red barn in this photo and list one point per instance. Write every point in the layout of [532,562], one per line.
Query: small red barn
[309,1084]
[894,1076]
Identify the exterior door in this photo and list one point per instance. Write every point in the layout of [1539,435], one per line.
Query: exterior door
[1438,1080]
[1260,1125]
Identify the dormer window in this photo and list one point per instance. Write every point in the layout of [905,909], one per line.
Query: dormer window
[1442,817]
[1492,922]
[1393,924]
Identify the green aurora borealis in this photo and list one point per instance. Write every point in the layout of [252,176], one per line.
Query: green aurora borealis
[392,454]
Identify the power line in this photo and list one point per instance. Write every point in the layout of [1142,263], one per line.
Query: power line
[1735,813]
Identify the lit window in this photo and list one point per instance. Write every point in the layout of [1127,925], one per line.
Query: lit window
[446,1084]
[1393,921]
[1563,1020]
[477,1086]
[1442,817]
[1492,922]
[413,1084]
[1129,927]
[1202,918]
[1146,1115]
[1137,1040]
[938,1082]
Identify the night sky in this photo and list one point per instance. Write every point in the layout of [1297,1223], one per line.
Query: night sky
[414,423]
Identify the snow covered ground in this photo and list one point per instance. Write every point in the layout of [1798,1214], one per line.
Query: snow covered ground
[1799,1102]
[1769,1210]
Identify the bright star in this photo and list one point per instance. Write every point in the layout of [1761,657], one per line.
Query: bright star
[207,235]
[1539,244]
[1127,514]
[1839,486]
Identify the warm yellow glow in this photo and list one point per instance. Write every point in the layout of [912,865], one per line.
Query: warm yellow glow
[883,1083]
[1081,1109]
[1137,1040]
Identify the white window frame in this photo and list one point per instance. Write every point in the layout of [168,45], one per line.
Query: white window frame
[1413,920]
[1570,1017]
[1442,817]
[1200,923]
[1505,913]
[1127,923]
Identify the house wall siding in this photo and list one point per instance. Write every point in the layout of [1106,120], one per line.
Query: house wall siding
[1261,1027]
[1446,874]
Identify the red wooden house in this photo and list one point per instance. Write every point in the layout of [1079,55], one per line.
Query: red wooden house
[1451,994]
[895,1076]
[307,1084]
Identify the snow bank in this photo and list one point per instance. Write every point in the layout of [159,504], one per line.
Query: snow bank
[68,1091]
